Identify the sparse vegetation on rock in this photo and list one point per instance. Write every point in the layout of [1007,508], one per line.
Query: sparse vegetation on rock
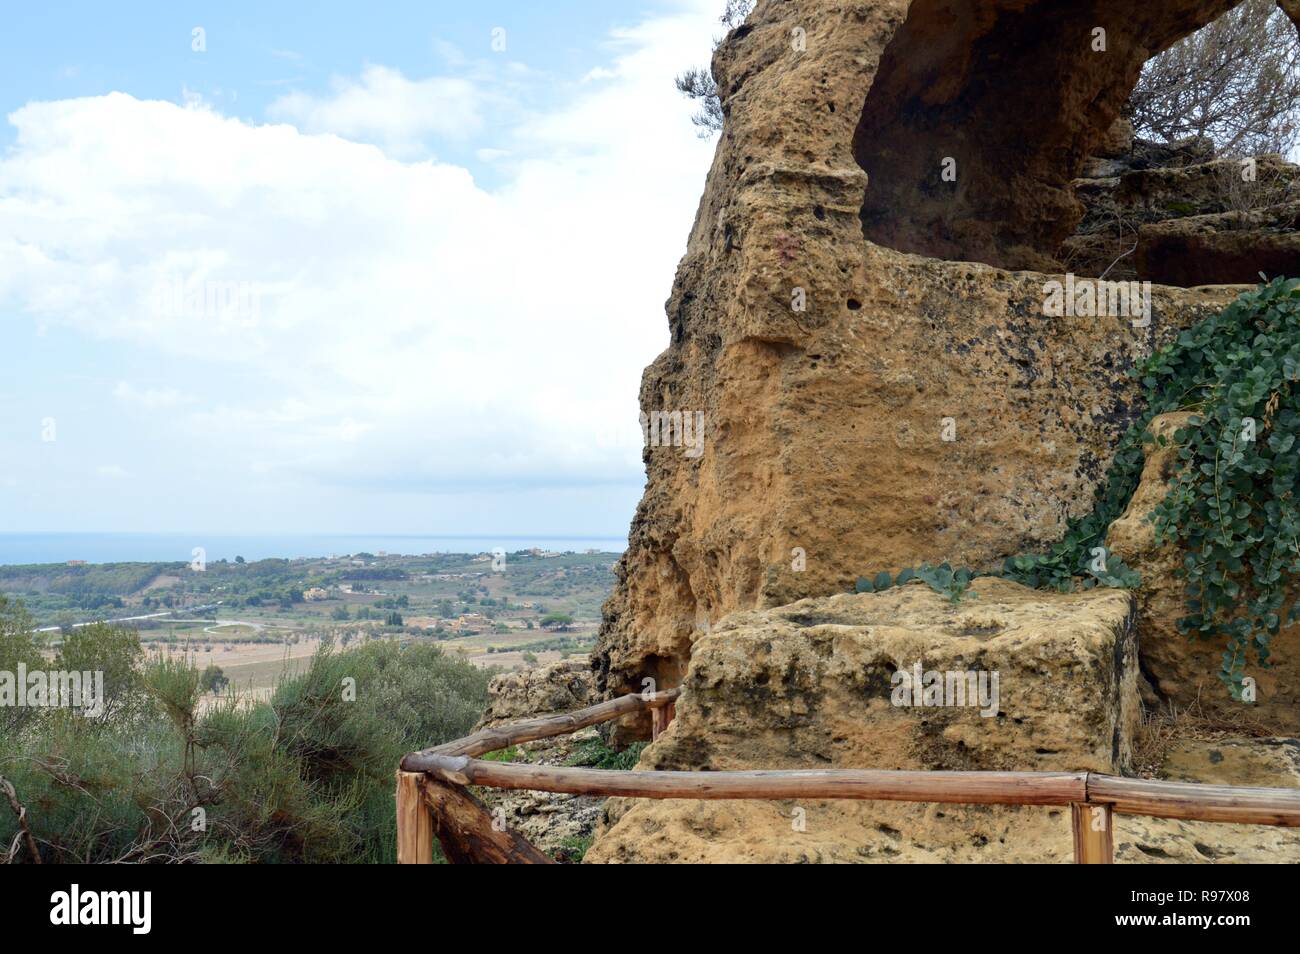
[1231,506]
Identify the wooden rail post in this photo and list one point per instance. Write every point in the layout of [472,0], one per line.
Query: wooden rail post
[1094,841]
[661,717]
[414,822]
[658,722]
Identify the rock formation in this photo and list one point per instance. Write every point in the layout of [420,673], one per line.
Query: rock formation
[813,685]
[1017,93]
[559,687]
[559,825]
[865,408]
[817,683]
[1180,670]
[1176,214]
[874,381]
[1232,246]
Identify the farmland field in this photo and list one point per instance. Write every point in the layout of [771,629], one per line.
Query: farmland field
[258,621]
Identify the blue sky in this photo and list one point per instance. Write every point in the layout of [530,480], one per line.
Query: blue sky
[383,268]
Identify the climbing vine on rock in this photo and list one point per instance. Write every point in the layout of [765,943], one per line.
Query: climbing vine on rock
[1232,505]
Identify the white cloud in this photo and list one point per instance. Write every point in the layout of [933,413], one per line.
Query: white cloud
[149,398]
[378,324]
[386,108]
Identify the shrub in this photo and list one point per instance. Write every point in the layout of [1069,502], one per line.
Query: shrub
[1236,82]
[213,679]
[306,777]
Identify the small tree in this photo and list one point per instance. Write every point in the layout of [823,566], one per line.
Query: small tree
[213,679]
[1235,82]
[698,84]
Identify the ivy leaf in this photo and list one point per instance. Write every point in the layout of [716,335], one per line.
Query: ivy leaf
[1231,506]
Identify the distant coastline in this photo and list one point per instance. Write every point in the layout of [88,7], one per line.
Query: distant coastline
[24,548]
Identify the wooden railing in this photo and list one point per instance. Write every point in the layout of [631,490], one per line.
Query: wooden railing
[433,799]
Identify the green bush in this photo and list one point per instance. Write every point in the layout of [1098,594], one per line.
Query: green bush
[19,645]
[305,777]
[213,679]
[597,753]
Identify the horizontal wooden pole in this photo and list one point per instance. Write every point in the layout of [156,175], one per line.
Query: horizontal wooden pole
[1194,801]
[504,736]
[454,763]
[1126,796]
[1010,788]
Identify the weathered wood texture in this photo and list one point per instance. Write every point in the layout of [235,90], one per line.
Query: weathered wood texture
[1197,802]
[1125,796]
[464,829]
[414,821]
[1094,834]
[501,737]
[1014,788]
[659,719]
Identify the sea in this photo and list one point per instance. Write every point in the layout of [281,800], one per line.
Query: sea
[150,547]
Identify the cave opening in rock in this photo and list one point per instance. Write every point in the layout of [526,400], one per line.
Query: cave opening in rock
[981,115]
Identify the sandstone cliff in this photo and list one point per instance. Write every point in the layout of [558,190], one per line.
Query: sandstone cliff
[863,407]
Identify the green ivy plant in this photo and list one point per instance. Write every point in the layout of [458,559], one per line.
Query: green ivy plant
[1232,505]
[943,579]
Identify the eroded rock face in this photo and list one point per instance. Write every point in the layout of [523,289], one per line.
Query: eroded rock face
[1178,215]
[1182,670]
[1265,763]
[1233,246]
[1152,189]
[832,372]
[559,687]
[734,832]
[556,823]
[812,685]
[945,89]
